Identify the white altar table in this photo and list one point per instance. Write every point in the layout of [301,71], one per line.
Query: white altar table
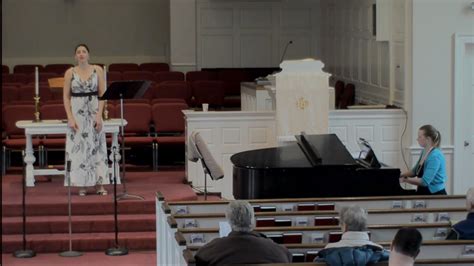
[46,127]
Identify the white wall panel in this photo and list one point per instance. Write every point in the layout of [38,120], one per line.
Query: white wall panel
[217,50]
[258,31]
[253,18]
[220,18]
[296,18]
[256,50]
[356,55]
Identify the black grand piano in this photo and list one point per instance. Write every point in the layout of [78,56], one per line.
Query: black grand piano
[317,166]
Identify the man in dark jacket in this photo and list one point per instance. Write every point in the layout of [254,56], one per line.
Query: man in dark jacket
[242,245]
[465,228]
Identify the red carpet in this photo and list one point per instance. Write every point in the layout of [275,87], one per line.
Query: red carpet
[92,220]
[141,258]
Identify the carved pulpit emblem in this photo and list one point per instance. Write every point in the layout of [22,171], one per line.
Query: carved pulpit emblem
[302,103]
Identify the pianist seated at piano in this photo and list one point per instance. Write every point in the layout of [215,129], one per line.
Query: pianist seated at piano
[429,173]
[243,245]
[355,247]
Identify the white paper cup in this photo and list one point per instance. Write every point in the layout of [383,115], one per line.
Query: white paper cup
[205,107]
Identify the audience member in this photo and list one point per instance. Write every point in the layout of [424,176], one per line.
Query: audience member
[465,228]
[355,247]
[242,245]
[405,247]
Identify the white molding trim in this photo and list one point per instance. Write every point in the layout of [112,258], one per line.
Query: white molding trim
[460,42]
[416,150]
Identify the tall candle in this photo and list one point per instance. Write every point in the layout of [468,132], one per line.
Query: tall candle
[105,76]
[36,82]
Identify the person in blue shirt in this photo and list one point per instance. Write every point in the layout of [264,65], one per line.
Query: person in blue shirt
[429,173]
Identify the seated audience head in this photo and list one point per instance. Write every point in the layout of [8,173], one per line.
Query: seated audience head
[241,216]
[405,246]
[470,200]
[353,218]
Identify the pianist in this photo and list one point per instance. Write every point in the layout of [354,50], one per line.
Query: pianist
[242,245]
[429,173]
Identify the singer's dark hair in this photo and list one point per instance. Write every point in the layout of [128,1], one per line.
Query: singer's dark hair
[81,45]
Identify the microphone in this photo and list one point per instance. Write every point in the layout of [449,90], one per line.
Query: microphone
[284,51]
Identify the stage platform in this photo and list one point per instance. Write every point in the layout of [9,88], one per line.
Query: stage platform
[92,220]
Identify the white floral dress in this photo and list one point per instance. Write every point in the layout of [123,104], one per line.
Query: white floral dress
[86,148]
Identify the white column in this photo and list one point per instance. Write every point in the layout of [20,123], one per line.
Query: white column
[183,35]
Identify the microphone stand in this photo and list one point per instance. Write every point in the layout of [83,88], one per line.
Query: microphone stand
[24,253]
[284,51]
[124,195]
[116,250]
[70,252]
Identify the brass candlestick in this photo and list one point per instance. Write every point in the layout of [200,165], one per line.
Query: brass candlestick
[37,109]
[106,112]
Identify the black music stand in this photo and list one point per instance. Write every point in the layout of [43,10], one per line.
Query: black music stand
[120,90]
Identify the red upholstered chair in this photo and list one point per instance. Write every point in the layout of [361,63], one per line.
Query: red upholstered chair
[339,89]
[10,94]
[14,78]
[5,69]
[122,67]
[15,137]
[154,67]
[169,124]
[27,69]
[167,76]
[348,96]
[167,100]
[45,76]
[208,91]
[173,89]
[137,130]
[232,79]
[59,69]
[113,76]
[27,92]
[200,75]
[138,75]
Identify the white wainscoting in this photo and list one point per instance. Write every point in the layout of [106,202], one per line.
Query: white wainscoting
[228,133]
[351,52]
[237,33]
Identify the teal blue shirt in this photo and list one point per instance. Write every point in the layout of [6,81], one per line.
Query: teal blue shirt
[434,171]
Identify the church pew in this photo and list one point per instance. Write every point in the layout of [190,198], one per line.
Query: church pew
[171,251]
[317,234]
[387,202]
[430,249]
[303,218]
[188,259]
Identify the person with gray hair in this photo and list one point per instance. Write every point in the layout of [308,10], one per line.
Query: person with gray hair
[465,228]
[354,248]
[353,221]
[242,245]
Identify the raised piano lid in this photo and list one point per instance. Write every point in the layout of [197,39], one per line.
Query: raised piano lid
[329,147]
